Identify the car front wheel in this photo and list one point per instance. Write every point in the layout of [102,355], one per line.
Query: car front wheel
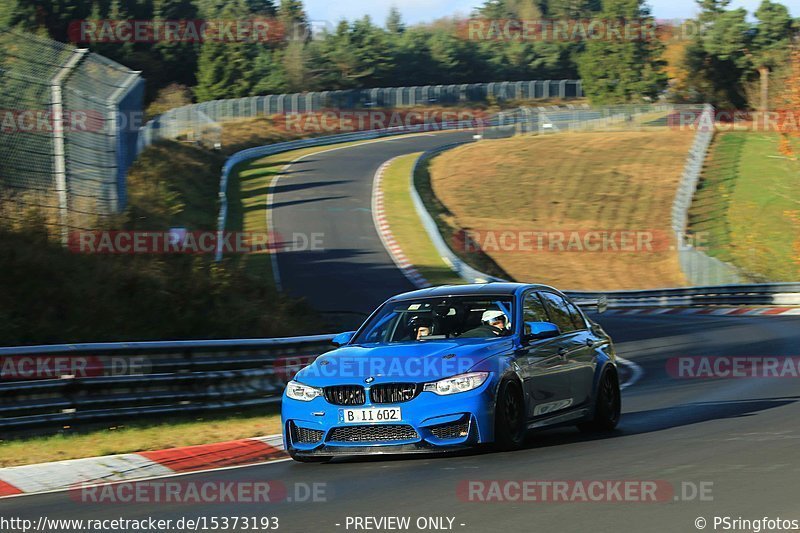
[509,418]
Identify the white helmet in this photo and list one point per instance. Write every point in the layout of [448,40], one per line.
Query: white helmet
[491,316]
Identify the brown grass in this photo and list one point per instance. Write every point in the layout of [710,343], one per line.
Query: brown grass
[571,182]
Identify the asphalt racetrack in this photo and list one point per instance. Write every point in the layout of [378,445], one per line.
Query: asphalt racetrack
[738,435]
[724,447]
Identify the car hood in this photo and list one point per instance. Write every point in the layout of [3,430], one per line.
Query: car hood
[412,362]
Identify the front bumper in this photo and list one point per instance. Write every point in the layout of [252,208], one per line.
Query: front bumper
[430,424]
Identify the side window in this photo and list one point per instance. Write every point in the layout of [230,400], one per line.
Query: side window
[533,309]
[559,313]
[577,317]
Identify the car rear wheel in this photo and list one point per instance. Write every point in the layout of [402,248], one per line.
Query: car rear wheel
[608,405]
[509,418]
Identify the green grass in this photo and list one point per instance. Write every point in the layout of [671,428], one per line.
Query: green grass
[138,437]
[744,207]
[407,227]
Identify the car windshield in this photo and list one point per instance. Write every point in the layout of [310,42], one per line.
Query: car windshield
[427,319]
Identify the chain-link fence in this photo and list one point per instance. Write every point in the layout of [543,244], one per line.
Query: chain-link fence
[699,268]
[200,122]
[555,119]
[69,120]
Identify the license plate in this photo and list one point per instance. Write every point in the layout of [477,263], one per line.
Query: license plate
[371,414]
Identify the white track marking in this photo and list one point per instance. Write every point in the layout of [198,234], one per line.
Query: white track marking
[139,480]
[636,372]
[385,233]
[275,440]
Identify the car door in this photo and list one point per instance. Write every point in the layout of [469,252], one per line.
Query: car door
[542,365]
[582,359]
[572,346]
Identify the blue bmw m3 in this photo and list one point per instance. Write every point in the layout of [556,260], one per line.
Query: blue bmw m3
[452,367]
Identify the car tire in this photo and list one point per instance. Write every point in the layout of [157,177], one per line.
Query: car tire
[310,458]
[509,417]
[608,405]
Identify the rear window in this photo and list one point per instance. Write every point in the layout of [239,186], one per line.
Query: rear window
[558,311]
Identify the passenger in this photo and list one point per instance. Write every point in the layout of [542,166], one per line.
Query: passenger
[493,324]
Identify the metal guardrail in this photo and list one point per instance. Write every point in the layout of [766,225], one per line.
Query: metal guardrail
[778,294]
[63,385]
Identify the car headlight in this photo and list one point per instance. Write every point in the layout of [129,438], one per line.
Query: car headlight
[459,383]
[297,391]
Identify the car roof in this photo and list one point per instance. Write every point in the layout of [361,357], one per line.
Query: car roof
[499,288]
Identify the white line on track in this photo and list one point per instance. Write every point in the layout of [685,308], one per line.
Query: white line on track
[636,372]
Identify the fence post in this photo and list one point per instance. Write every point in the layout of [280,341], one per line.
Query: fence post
[59,152]
[114,101]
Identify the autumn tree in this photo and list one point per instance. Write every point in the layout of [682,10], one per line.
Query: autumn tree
[771,43]
[791,101]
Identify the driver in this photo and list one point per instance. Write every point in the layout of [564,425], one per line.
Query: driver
[420,327]
[493,324]
[423,331]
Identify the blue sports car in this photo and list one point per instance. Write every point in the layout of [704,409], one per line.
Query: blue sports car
[452,367]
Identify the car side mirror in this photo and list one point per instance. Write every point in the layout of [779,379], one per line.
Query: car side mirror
[535,331]
[343,338]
